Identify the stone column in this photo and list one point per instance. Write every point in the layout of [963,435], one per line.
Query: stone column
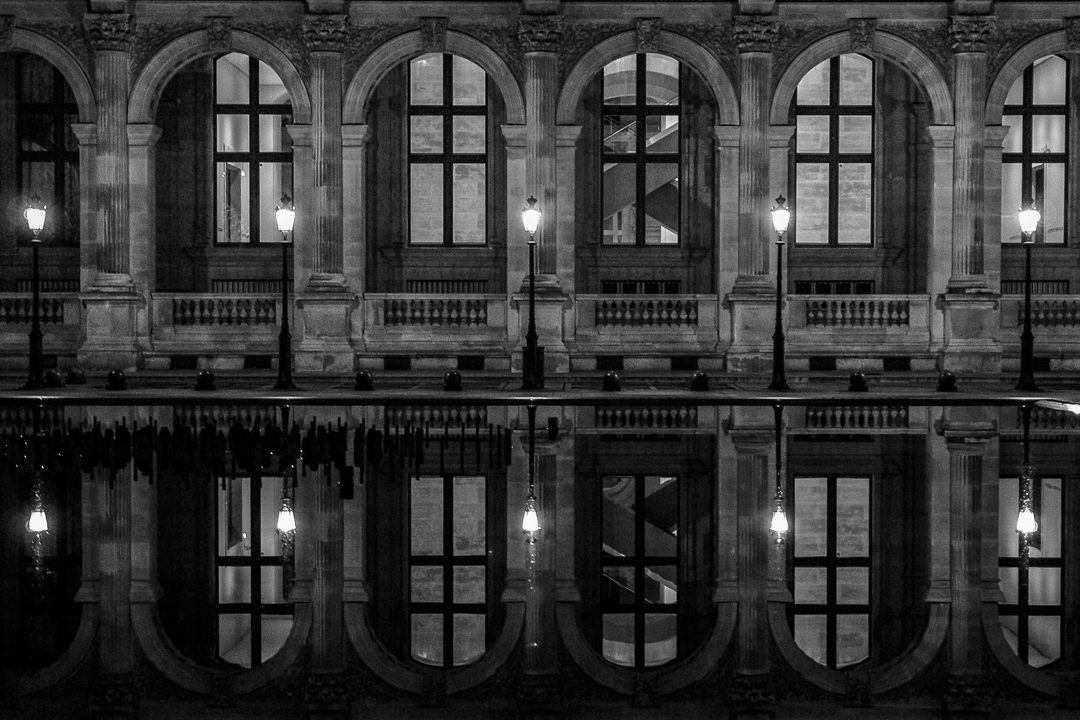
[751,300]
[354,253]
[1072,190]
[726,237]
[940,245]
[112,301]
[325,303]
[142,140]
[751,694]
[993,139]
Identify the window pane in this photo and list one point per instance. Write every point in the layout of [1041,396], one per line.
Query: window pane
[275,180]
[1048,81]
[271,88]
[233,202]
[619,228]
[426,80]
[469,134]
[1044,586]
[852,639]
[275,631]
[425,134]
[661,516]
[232,133]
[269,504]
[661,80]
[470,505]
[1016,92]
[814,87]
[661,638]
[662,134]
[1008,506]
[1049,517]
[231,77]
[853,586]
[620,81]
[234,638]
[425,204]
[1014,140]
[618,585]
[36,79]
[618,520]
[856,80]
[810,636]
[811,517]
[469,584]
[234,584]
[272,585]
[812,133]
[39,177]
[1048,133]
[426,584]
[273,137]
[620,134]
[852,517]
[426,516]
[1044,640]
[469,203]
[853,207]
[812,203]
[426,638]
[36,132]
[469,638]
[468,82]
[856,133]
[1011,180]
[618,639]
[1008,577]
[811,585]
[662,204]
[661,585]
[1049,194]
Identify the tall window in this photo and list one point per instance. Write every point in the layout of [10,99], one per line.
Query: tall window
[1029,568]
[831,569]
[448,573]
[834,162]
[447,151]
[253,617]
[48,150]
[640,133]
[252,150]
[639,590]
[1033,156]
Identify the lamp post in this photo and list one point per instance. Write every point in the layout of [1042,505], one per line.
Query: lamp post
[779,524]
[1029,222]
[284,215]
[530,520]
[530,218]
[780,217]
[35,220]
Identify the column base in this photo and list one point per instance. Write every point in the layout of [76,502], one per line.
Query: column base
[113,696]
[115,322]
[972,332]
[751,696]
[326,697]
[325,325]
[753,322]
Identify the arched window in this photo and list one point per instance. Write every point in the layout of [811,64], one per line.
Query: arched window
[1033,156]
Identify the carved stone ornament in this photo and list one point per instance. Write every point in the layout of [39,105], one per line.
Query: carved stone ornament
[647,30]
[754,34]
[325,33]
[970,34]
[7,32]
[219,29]
[751,694]
[1072,34]
[325,693]
[109,31]
[113,696]
[861,32]
[433,33]
[966,694]
[540,34]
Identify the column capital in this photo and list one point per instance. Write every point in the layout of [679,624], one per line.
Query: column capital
[646,30]
[969,34]
[726,136]
[754,33]
[780,135]
[143,134]
[325,33]
[109,31]
[219,31]
[85,133]
[433,33]
[861,34]
[942,136]
[299,134]
[994,138]
[567,135]
[514,135]
[354,135]
[540,33]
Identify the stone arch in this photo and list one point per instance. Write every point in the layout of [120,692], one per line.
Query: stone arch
[1048,44]
[37,44]
[885,47]
[669,43]
[409,45]
[151,82]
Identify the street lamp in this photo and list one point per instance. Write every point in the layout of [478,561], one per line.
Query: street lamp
[779,524]
[284,215]
[35,220]
[531,379]
[1029,222]
[530,520]
[780,217]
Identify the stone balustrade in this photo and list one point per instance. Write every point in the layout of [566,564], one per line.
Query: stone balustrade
[609,320]
[213,324]
[860,325]
[857,311]
[646,417]
[1048,311]
[438,312]
[645,311]
[466,322]
[208,309]
[17,309]
[856,417]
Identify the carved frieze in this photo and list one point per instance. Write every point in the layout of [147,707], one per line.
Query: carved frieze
[149,38]
[716,38]
[7,32]
[647,30]
[288,38]
[966,693]
[754,33]
[861,34]
[326,693]
[361,38]
[1010,38]
[540,34]
[1072,33]
[433,33]
[933,38]
[219,30]
[751,694]
[501,39]
[576,38]
[109,31]
[971,33]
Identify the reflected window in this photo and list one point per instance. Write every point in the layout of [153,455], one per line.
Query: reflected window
[831,569]
[834,161]
[48,155]
[1029,569]
[639,590]
[252,149]
[447,151]
[1033,156]
[448,573]
[640,155]
[253,616]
